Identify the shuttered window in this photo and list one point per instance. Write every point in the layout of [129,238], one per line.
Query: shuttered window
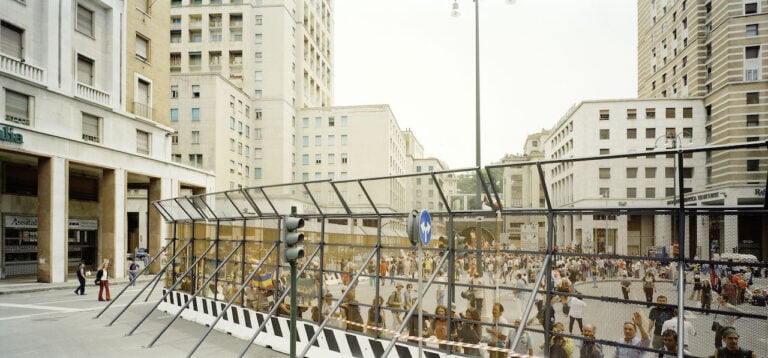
[16,107]
[142,142]
[90,128]
[84,70]
[142,47]
[10,40]
[143,94]
[84,20]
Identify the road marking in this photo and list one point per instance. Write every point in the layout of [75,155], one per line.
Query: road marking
[39,307]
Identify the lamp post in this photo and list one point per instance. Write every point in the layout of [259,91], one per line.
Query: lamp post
[676,143]
[455,13]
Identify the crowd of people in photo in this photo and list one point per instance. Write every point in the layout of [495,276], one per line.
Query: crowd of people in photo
[488,323]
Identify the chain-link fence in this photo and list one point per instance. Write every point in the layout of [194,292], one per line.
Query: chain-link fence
[589,254]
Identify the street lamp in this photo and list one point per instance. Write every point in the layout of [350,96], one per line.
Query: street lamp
[455,13]
[676,142]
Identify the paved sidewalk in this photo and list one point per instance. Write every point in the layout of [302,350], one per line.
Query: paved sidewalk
[26,284]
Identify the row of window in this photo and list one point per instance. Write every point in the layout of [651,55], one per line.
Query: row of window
[650,133]
[214,35]
[650,173]
[319,140]
[215,20]
[319,122]
[319,158]
[244,170]
[177,3]
[650,113]
[319,176]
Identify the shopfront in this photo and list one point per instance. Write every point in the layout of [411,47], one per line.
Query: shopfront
[20,244]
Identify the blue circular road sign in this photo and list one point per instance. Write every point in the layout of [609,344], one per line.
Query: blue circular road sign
[425,228]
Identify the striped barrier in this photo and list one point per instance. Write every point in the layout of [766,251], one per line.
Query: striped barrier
[242,323]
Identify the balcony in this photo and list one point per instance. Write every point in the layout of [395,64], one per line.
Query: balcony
[21,70]
[142,110]
[91,94]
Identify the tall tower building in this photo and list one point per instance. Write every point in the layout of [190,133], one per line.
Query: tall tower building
[715,50]
[240,71]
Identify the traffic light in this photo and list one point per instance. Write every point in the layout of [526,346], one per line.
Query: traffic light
[292,238]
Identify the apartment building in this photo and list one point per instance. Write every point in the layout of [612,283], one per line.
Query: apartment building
[715,50]
[595,128]
[251,65]
[338,143]
[74,141]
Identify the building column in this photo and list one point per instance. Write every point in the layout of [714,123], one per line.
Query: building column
[621,235]
[702,232]
[52,219]
[113,246]
[731,237]
[661,232]
[159,188]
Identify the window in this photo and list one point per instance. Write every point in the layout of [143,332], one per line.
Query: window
[670,113]
[631,113]
[239,148]
[605,151]
[305,159]
[688,134]
[195,91]
[258,38]
[605,134]
[331,139]
[174,114]
[195,137]
[175,39]
[753,165]
[631,173]
[175,141]
[631,133]
[605,192]
[11,40]
[84,70]
[318,159]
[318,140]
[257,113]
[90,128]
[331,122]
[604,115]
[231,122]
[84,20]
[305,141]
[650,113]
[343,139]
[142,47]
[257,95]
[318,122]
[258,153]
[331,158]
[650,172]
[650,193]
[751,52]
[174,91]
[259,19]
[305,122]
[258,75]
[631,193]
[257,173]
[17,107]
[750,8]
[687,173]
[669,172]
[753,120]
[240,127]
[605,173]
[231,145]
[256,133]
[687,112]
[344,158]
[753,97]
[344,121]
[195,58]
[195,114]
[142,142]
[708,133]
[305,176]
[258,57]
[751,30]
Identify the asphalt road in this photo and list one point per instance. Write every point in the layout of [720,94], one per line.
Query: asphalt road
[58,323]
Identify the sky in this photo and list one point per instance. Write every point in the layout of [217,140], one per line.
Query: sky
[537,59]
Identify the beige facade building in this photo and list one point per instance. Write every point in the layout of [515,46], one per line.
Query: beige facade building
[73,143]
[715,50]
[253,64]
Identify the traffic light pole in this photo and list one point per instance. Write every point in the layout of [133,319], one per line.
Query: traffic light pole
[293,309]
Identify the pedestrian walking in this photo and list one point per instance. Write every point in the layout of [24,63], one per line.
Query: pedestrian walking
[657,317]
[102,279]
[576,312]
[649,286]
[732,348]
[625,283]
[80,279]
[395,303]
[133,270]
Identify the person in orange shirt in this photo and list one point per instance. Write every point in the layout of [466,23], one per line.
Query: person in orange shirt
[472,270]
[382,272]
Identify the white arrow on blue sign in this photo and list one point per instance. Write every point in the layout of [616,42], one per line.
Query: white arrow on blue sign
[425,228]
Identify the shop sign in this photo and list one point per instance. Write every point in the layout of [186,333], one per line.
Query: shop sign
[7,135]
[83,224]
[21,222]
